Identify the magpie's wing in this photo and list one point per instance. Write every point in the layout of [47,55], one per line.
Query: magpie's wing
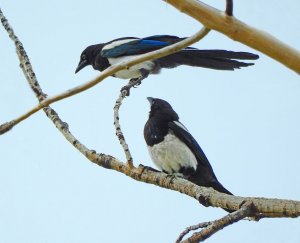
[170,39]
[204,175]
[165,38]
[140,46]
[182,133]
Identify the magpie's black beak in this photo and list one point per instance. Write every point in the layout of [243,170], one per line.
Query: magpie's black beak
[81,65]
[150,99]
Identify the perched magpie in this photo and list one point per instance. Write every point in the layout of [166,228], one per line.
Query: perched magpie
[174,150]
[103,55]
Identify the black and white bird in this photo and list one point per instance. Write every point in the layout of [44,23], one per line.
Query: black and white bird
[174,150]
[103,55]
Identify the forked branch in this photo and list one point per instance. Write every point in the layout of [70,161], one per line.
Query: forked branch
[210,228]
[237,30]
[267,207]
[263,207]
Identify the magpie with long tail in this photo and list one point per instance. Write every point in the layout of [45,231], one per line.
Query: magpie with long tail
[103,55]
[174,150]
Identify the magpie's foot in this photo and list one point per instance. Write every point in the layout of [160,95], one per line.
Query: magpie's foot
[132,83]
[136,83]
[173,176]
[141,169]
[145,168]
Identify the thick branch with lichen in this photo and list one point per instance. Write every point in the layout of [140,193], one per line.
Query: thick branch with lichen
[206,196]
[237,30]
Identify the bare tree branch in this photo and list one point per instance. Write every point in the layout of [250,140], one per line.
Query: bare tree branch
[24,60]
[207,196]
[213,227]
[264,207]
[119,132]
[239,31]
[192,228]
[106,73]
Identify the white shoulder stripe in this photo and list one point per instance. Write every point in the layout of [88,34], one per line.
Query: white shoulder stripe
[181,125]
[117,43]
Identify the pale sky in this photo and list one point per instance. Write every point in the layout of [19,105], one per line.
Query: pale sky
[246,121]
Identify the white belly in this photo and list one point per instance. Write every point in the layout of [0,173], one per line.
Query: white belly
[132,72]
[172,154]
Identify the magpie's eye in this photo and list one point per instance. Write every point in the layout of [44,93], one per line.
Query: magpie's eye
[83,57]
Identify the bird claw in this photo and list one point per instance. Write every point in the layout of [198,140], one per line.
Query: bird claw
[173,176]
[137,83]
[132,83]
[145,168]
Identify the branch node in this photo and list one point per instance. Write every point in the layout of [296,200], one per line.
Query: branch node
[130,164]
[204,201]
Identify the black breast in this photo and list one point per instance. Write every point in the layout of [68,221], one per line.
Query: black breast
[101,63]
[155,131]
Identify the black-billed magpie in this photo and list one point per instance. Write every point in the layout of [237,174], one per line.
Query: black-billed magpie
[174,150]
[103,55]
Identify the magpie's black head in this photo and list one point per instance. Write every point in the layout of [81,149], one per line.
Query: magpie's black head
[88,56]
[161,109]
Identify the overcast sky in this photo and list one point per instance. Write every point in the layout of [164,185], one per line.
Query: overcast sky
[246,121]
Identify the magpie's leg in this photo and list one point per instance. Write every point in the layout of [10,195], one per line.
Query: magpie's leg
[144,74]
[134,82]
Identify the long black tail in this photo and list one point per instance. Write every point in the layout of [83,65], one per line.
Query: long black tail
[211,182]
[220,188]
[214,59]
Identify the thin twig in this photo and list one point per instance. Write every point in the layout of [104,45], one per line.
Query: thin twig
[229,7]
[192,228]
[119,132]
[245,211]
[115,68]
[24,61]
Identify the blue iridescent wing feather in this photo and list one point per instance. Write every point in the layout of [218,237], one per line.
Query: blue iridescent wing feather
[141,46]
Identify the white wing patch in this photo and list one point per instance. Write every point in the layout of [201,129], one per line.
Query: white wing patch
[178,123]
[117,43]
[132,72]
[172,154]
